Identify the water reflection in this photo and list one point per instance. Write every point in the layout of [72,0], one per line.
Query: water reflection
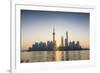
[43,56]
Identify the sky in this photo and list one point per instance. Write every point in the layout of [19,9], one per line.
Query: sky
[38,26]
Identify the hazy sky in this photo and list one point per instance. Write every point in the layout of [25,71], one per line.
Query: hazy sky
[38,26]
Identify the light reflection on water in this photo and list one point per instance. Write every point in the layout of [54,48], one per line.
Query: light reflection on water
[43,56]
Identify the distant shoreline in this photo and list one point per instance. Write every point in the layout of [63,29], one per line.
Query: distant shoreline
[55,50]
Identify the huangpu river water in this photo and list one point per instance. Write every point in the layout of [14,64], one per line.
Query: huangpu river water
[45,56]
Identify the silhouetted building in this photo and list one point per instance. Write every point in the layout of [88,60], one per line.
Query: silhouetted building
[49,45]
[42,45]
[38,46]
[62,42]
[78,45]
[54,41]
[73,45]
[66,40]
[35,46]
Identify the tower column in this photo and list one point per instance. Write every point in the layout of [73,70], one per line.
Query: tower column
[66,40]
[54,41]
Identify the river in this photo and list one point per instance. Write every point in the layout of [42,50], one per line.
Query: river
[45,56]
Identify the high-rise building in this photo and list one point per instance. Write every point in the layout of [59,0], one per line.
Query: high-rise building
[66,40]
[78,44]
[62,42]
[54,41]
[53,35]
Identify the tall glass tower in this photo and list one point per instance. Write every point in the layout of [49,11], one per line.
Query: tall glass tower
[62,43]
[66,40]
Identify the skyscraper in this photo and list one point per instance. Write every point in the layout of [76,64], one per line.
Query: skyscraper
[62,42]
[66,40]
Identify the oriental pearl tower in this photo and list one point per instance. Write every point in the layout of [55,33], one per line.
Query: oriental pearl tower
[54,41]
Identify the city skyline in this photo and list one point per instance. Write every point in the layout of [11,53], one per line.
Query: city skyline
[37,26]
